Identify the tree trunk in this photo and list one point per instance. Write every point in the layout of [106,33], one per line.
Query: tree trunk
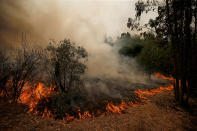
[176,89]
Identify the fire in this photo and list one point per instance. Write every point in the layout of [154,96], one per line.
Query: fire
[112,108]
[85,115]
[118,109]
[47,114]
[31,96]
[164,77]
[142,93]
[68,118]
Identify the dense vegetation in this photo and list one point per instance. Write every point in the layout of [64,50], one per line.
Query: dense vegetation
[148,51]
[59,64]
[58,69]
[176,26]
[169,47]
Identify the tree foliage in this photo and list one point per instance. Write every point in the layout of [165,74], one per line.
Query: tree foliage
[61,65]
[175,25]
[148,51]
[129,46]
[155,58]
[67,64]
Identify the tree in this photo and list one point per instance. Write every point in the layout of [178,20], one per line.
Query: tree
[67,64]
[23,70]
[155,58]
[129,46]
[176,25]
[18,70]
[4,73]
[148,52]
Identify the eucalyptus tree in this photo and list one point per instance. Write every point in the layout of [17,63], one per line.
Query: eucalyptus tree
[176,25]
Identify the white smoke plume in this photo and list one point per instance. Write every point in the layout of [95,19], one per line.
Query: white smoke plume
[85,22]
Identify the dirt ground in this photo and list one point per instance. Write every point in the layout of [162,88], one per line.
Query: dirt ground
[160,113]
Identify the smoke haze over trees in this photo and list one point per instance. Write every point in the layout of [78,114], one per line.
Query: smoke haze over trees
[78,59]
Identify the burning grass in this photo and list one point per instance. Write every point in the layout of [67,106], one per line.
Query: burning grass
[143,93]
[76,105]
[31,96]
[48,103]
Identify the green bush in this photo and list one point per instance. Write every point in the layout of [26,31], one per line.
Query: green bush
[154,57]
[153,54]
[129,46]
[131,50]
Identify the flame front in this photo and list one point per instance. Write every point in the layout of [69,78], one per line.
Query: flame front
[31,97]
[142,93]
[164,77]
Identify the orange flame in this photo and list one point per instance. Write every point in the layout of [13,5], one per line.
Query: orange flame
[68,117]
[31,97]
[164,77]
[111,108]
[85,115]
[142,93]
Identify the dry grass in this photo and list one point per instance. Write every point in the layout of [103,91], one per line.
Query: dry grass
[159,113]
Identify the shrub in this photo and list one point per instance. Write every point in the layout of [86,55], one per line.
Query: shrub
[154,57]
[66,64]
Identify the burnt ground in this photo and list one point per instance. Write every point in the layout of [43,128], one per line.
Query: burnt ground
[159,113]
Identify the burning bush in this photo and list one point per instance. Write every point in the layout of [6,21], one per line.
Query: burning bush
[65,64]
[4,74]
[50,82]
[77,104]
[18,70]
[62,103]
[61,65]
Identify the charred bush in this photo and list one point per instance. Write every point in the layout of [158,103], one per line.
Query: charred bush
[77,101]
[4,73]
[24,69]
[18,70]
[63,103]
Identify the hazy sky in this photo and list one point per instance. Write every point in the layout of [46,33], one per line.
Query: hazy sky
[57,19]
[80,20]
[85,22]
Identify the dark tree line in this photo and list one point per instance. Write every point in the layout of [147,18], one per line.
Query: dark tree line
[176,25]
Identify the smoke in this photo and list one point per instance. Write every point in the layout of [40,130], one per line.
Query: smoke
[85,22]
[82,21]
